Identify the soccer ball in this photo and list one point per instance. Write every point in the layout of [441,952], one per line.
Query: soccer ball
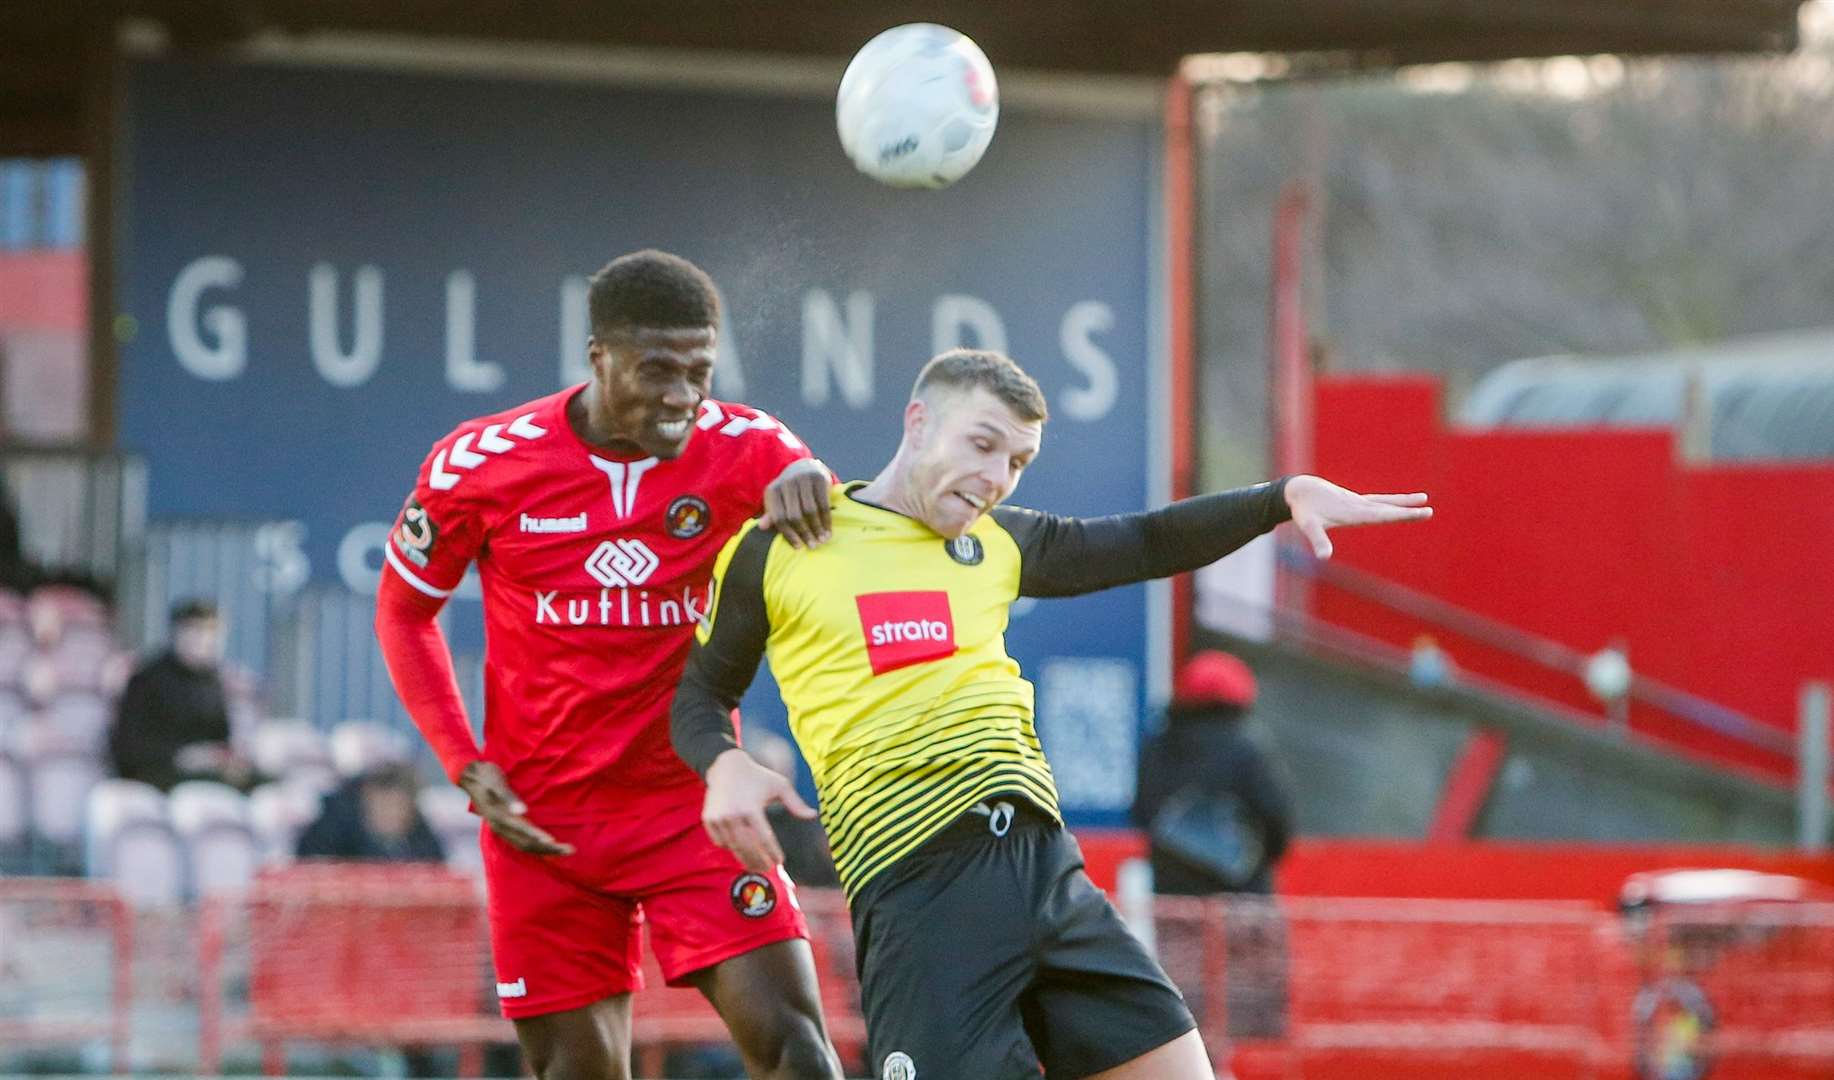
[917,106]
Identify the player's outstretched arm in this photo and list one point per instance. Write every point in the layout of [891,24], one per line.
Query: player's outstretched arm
[1062,556]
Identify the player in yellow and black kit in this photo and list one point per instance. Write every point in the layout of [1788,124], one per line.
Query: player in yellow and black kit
[984,949]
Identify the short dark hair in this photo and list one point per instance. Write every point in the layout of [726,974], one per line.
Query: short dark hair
[651,289]
[193,610]
[997,373]
[392,774]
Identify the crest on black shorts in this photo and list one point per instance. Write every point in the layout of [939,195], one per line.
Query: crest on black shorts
[753,895]
[687,517]
[966,549]
[898,1066]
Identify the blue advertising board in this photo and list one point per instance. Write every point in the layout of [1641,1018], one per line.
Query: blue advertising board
[323,271]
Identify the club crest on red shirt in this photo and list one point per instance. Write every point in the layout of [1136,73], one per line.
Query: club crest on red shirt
[687,517]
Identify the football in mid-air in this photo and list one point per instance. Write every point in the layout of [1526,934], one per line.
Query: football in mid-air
[917,106]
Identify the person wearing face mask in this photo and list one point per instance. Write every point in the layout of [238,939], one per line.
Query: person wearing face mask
[172,722]
[984,950]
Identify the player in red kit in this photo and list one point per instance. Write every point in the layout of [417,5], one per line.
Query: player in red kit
[594,516]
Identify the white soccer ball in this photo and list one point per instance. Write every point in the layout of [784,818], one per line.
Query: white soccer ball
[917,106]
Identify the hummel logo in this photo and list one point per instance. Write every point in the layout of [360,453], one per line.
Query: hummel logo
[616,563]
[576,523]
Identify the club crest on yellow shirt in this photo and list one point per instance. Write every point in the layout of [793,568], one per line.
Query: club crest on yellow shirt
[965,549]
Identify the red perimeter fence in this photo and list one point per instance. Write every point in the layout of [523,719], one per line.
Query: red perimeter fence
[1295,988]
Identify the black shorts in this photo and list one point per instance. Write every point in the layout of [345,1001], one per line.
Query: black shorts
[983,955]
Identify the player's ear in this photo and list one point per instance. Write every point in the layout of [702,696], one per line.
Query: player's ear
[917,421]
[598,358]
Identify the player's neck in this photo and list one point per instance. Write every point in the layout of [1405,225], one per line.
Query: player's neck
[892,489]
[587,417]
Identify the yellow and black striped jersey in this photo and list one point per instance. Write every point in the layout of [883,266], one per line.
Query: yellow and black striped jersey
[888,645]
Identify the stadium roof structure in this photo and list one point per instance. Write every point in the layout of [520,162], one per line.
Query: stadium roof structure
[1761,398]
[51,52]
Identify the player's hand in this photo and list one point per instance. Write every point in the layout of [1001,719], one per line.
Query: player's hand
[796,504]
[1318,504]
[738,792]
[502,811]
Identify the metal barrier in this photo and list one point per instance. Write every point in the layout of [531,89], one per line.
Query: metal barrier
[66,965]
[1329,988]
[1739,986]
[343,953]
[1295,988]
[398,955]
[1510,641]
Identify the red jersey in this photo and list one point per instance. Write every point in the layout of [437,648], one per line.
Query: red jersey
[595,569]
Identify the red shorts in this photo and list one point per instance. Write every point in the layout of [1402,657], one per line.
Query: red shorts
[564,930]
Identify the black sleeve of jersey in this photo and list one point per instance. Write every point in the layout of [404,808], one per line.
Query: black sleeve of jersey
[1064,556]
[721,667]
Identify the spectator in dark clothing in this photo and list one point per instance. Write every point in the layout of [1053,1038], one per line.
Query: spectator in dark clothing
[1218,819]
[373,817]
[172,722]
[15,572]
[1217,816]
